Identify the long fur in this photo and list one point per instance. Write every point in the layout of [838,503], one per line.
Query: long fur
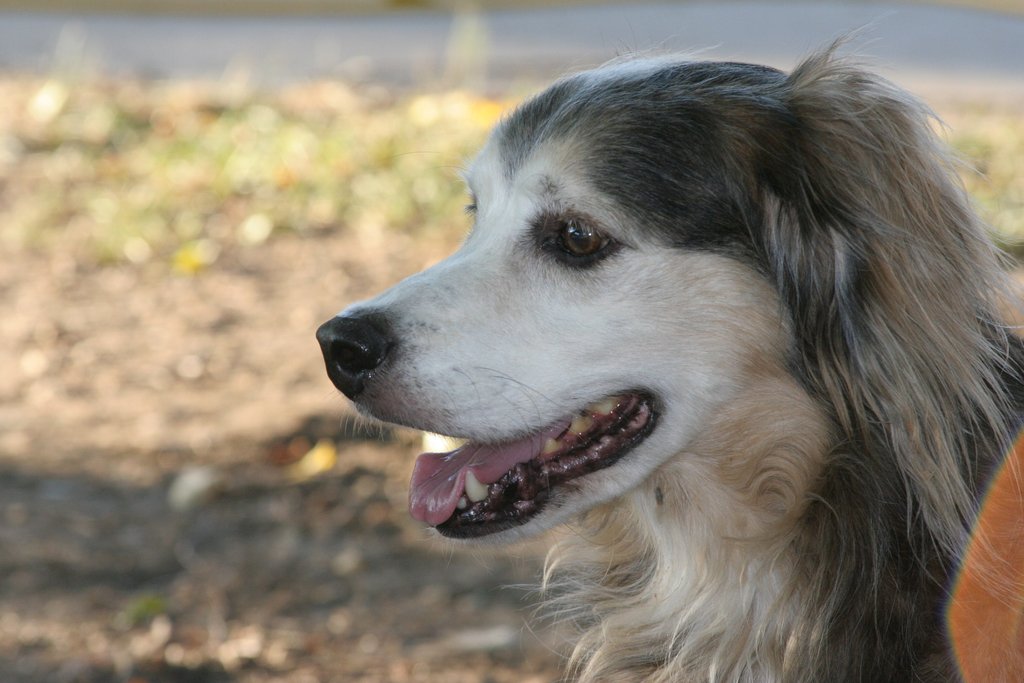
[800,287]
[825,548]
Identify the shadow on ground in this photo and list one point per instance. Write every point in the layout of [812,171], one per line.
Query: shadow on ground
[261,577]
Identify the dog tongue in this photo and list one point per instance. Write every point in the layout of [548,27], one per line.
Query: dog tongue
[439,479]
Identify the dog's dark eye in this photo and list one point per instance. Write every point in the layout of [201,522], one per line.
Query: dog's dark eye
[580,240]
[572,239]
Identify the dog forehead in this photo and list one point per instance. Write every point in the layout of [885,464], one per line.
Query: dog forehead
[636,104]
[669,146]
[545,179]
[580,104]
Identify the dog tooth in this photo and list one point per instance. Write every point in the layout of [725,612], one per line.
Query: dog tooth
[463,503]
[550,446]
[475,491]
[580,424]
[604,406]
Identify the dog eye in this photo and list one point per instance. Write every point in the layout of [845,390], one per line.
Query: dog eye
[580,240]
[572,240]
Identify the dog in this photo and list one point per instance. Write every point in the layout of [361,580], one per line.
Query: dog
[743,331]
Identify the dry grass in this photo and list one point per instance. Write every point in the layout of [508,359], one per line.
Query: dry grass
[179,172]
[991,142]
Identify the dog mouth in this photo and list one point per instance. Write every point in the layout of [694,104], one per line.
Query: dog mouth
[480,489]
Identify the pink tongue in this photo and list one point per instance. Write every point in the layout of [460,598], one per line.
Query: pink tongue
[438,479]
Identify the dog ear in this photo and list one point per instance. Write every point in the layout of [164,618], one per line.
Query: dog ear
[888,279]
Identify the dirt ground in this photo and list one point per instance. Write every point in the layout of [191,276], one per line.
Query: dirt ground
[122,385]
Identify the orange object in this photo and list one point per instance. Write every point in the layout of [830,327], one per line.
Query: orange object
[986,614]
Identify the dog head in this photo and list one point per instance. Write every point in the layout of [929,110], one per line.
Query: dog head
[650,239]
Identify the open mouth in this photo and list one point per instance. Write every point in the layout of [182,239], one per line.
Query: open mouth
[480,489]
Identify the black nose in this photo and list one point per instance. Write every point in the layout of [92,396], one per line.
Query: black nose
[353,347]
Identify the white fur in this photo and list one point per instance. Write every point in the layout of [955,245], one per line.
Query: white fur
[504,343]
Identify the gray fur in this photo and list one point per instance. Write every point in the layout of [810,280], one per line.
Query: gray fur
[831,184]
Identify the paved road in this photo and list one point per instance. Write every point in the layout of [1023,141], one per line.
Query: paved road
[941,50]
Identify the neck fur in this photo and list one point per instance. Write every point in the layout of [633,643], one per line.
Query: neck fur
[692,576]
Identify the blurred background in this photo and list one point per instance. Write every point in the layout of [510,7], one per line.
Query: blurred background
[187,189]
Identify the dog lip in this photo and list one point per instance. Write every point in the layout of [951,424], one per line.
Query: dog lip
[524,490]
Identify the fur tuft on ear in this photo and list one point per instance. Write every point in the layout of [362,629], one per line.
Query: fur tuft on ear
[888,278]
